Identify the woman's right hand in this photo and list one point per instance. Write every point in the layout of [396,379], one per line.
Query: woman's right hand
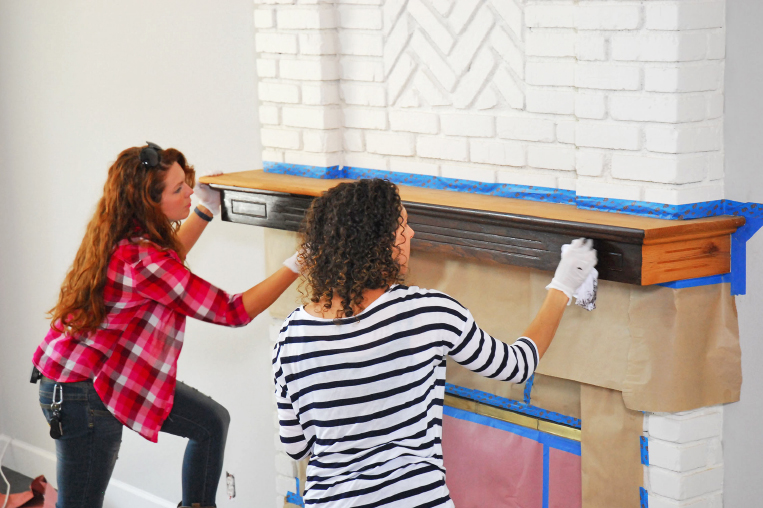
[207,196]
[577,262]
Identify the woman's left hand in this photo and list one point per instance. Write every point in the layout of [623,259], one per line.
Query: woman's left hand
[207,196]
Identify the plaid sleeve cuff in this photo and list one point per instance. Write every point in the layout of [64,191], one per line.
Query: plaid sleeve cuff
[237,313]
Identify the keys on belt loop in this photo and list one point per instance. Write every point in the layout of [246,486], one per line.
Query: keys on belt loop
[56,428]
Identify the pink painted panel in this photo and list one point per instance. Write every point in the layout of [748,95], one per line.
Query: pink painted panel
[491,467]
[564,480]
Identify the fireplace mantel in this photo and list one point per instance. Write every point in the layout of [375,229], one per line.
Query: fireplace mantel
[632,249]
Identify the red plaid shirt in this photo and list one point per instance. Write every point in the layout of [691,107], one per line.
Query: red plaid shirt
[132,356]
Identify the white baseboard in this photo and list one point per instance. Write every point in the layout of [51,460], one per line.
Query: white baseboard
[33,461]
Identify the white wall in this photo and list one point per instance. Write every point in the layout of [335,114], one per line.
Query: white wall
[79,82]
[743,440]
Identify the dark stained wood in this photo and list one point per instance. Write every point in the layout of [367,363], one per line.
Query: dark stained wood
[631,249]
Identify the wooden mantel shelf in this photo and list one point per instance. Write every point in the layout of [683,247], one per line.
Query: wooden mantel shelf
[631,249]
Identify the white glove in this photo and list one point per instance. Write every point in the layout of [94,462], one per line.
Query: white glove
[293,263]
[207,196]
[577,262]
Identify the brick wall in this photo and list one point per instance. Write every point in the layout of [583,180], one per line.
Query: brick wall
[611,98]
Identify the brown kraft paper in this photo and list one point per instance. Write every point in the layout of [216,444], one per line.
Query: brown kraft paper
[610,450]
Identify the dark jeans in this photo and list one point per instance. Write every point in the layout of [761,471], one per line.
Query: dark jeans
[87,451]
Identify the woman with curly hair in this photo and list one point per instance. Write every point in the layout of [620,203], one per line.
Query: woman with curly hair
[110,357]
[360,370]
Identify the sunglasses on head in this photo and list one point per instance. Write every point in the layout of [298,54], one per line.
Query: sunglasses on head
[149,155]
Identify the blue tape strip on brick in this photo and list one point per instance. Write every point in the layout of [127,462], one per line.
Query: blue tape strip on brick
[528,389]
[644,497]
[644,450]
[293,498]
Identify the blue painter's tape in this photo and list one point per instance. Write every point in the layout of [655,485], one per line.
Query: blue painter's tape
[512,405]
[550,440]
[529,389]
[299,170]
[643,497]
[546,474]
[699,281]
[644,450]
[293,498]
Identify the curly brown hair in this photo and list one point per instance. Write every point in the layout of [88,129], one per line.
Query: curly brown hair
[348,242]
[130,206]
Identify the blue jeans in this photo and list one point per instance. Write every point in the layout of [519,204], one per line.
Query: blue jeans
[87,451]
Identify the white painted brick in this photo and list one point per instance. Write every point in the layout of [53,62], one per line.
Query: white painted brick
[548,42]
[305,19]
[714,165]
[541,100]
[353,141]
[277,439]
[322,69]
[285,484]
[474,80]
[675,457]
[432,59]
[656,168]
[267,68]
[468,42]
[468,125]
[594,187]
[684,486]
[276,92]
[275,43]
[361,70]
[710,501]
[548,156]
[264,18]
[272,155]
[461,13]
[280,501]
[589,163]
[714,452]
[395,43]
[390,143]
[323,160]
[468,173]
[320,94]
[567,183]
[322,141]
[281,2]
[685,194]
[608,135]
[526,128]
[714,105]
[280,138]
[686,428]
[431,24]
[590,47]
[553,73]
[269,115]
[361,43]
[359,17]
[683,78]
[607,76]
[716,45]
[565,131]
[508,50]
[529,178]
[399,77]
[508,88]
[432,147]
[414,121]
[684,138]
[367,161]
[590,105]
[607,16]
[285,465]
[406,165]
[684,15]
[318,42]
[508,153]
[365,118]
[541,15]
[364,95]
[312,117]
[511,14]
[659,46]
[671,108]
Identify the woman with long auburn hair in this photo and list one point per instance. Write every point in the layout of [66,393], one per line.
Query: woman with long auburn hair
[359,370]
[110,357]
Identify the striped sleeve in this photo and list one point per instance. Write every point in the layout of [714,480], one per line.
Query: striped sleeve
[492,358]
[290,430]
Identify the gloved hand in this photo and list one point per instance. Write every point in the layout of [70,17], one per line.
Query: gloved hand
[577,262]
[207,196]
[293,263]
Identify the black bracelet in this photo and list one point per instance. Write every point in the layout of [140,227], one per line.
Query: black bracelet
[203,215]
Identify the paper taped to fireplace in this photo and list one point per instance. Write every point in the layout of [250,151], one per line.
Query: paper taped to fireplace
[585,295]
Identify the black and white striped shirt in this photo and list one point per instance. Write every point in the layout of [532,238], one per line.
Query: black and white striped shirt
[364,395]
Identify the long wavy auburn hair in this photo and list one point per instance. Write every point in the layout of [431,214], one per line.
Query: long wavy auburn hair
[130,207]
[348,243]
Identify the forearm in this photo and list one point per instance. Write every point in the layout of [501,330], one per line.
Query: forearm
[544,326]
[192,228]
[262,296]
